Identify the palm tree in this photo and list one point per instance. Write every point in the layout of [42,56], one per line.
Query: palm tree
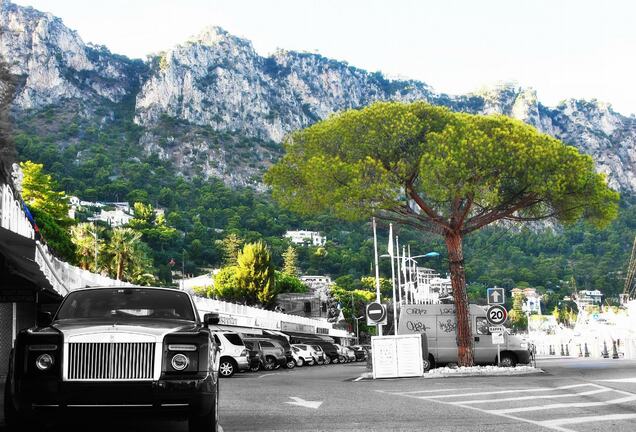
[124,248]
[87,240]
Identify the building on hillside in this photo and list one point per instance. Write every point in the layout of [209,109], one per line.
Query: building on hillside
[302,237]
[316,283]
[589,298]
[430,287]
[313,304]
[114,218]
[531,299]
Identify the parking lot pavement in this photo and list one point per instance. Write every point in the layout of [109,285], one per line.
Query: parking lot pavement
[555,408]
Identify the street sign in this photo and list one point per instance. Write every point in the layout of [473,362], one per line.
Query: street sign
[496,296]
[498,338]
[496,315]
[376,314]
[497,329]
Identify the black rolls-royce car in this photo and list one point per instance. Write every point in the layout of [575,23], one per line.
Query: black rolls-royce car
[126,349]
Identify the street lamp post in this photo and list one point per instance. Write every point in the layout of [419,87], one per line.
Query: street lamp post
[357,327]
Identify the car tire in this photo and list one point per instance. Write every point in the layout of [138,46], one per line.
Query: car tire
[270,363]
[15,422]
[300,362]
[342,359]
[327,360]
[206,423]
[256,368]
[227,368]
[291,364]
[508,360]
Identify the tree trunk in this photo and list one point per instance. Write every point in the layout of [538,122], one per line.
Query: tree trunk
[120,268]
[458,282]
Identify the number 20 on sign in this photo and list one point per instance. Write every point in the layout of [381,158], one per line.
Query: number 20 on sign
[497,314]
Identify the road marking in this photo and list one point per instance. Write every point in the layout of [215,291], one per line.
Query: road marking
[269,374]
[620,380]
[304,403]
[589,419]
[552,396]
[555,424]
[563,405]
[526,390]
[434,391]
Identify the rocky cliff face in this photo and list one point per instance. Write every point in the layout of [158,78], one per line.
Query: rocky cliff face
[217,108]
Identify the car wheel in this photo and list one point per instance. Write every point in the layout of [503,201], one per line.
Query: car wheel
[13,420]
[291,364]
[508,360]
[226,368]
[300,362]
[206,423]
[270,363]
[256,367]
[335,360]
[327,360]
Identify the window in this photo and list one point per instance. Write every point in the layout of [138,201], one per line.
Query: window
[132,303]
[216,339]
[482,326]
[267,345]
[234,339]
[307,307]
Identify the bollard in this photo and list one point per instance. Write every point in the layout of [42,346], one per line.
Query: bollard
[605,353]
[551,350]
[562,353]
[587,352]
[567,350]
[580,352]
[614,350]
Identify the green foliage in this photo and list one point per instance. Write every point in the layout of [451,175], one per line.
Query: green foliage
[88,241]
[231,246]
[39,192]
[517,317]
[290,258]
[55,234]
[204,291]
[251,281]
[286,283]
[368,284]
[128,256]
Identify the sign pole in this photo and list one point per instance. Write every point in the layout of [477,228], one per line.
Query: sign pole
[399,279]
[393,279]
[498,355]
[377,273]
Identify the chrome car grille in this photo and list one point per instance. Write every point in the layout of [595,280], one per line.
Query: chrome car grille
[111,361]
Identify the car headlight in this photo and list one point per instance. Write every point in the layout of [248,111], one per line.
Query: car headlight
[179,362]
[44,362]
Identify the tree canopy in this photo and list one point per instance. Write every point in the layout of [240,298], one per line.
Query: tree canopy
[441,172]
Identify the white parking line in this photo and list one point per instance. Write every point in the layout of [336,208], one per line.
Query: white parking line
[434,391]
[552,396]
[564,405]
[553,424]
[620,380]
[526,390]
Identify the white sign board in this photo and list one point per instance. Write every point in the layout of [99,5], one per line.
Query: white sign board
[397,356]
[498,338]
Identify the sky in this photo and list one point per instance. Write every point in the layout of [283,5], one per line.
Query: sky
[561,48]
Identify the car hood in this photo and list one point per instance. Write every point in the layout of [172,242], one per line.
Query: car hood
[121,330]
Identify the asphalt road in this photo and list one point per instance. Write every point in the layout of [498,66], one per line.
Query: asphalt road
[573,395]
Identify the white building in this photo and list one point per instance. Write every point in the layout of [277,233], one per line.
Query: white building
[589,298]
[306,237]
[532,300]
[429,287]
[114,218]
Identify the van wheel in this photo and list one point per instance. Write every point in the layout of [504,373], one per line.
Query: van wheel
[508,360]
[426,364]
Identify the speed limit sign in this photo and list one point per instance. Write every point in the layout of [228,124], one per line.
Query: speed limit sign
[497,315]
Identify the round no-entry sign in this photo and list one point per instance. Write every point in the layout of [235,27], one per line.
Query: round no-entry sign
[497,315]
[376,313]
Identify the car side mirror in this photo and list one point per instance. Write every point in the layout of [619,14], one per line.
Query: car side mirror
[44,319]
[211,318]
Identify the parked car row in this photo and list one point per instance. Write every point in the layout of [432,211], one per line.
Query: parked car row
[243,352]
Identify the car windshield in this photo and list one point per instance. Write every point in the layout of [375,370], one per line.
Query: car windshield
[134,303]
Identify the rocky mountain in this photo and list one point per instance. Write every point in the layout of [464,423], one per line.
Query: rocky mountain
[216,107]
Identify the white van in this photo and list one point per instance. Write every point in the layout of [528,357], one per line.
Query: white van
[439,324]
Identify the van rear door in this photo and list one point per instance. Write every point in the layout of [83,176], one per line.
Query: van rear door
[484,351]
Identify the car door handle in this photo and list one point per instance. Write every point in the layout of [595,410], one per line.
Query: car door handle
[476,338]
